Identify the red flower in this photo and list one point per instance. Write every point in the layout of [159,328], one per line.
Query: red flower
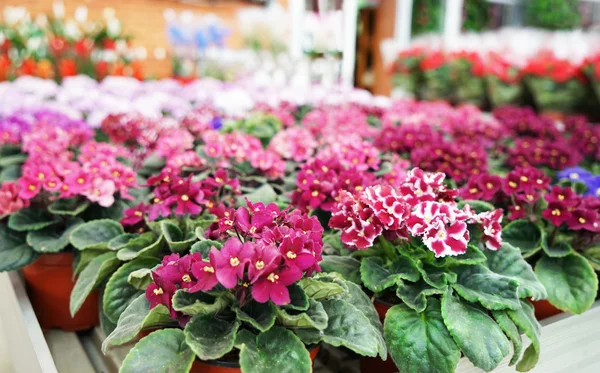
[582,218]
[557,213]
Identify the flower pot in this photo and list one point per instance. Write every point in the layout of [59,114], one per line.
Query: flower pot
[544,309]
[49,283]
[216,366]
[375,364]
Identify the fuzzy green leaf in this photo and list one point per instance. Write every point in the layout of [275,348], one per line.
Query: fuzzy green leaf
[298,298]
[524,235]
[163,351]
[508,262]
[14,252]
[95,234]
[69,206]
[140,279]
[119,293]
[276,350]
[346,266]
[136,317]
[203,247]
[121,240]
[177,241]
[316,289]
[477,335]
[260,315]
[52,239]
[477,206]
[377,277]
[314,317]
[524,319]
[30,219]
[197,303]
[477,283]
[210,337]
[510,329]
[438,277]
[97,271]
[146,245]
[558,249]
[414,294]
[420,342]
[571,282]
[265,194]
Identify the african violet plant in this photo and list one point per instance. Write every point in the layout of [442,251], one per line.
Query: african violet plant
[555,228]
[246,294]
[65,180]
[452,286]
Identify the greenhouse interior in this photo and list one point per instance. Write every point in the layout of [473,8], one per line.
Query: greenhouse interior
[297,186]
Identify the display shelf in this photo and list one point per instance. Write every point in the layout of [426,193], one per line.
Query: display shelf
[569,343]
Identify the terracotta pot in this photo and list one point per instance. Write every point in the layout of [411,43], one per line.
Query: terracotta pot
[544,309]
[216,366]
[375,364]
[49,283]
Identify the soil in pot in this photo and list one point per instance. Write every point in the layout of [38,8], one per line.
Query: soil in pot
[49,283]
[544,309]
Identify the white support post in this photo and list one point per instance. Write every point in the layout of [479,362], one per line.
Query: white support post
[403,26]
[350,11]
[297,9]
[452,20]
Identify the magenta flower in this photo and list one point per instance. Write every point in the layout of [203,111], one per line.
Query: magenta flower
[272,285]
[263,259]
[447,240]
[204,273]
[161,291]
[231,261]
[583,218]
[29,187]
[293,252]
[557,213]
[565,196]
[134,215]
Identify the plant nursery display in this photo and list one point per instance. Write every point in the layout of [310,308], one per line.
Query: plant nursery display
[245,226]
[550,73]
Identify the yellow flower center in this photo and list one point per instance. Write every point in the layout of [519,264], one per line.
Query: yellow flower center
[219,180]
[556,212]
[234,262]
[259,265]
[41,176]
[561,197]
[582,220]
[32,187]
[137,213]
[324,169]
[291,255]
[80,180]
[209,269]
[158,291]
[524,179]
[489,185]
[315,193]
[273,277]
[512,184]
[186,278]
[185,198]
[253,229]
[359,188]
[473,190]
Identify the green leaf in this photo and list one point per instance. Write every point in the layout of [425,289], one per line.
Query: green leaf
[52,239]
[10,173]
[346,326]
[198,303]
[14,252]
[83,258]
[438,277]
[175,238]
[260,315]
[346,266]
[319,289]
[508,262]
[472,256]
[97,212]
[314,317]
[97,271]
[592,254]
[119,292]
[478,206]
[146,245]
[136,317]
[477,335]
[140,279]
[30,219]
[414,294]
[298,298]
[510,329]
[69,206]
[95,234]
[420,342]
[265,194]
[524,319]
[571,282]
[121,240]
[8,160]
[558,249]
[376,277]
[203,247]
[210,337]
[276,350]
[477,283]
[163,351]
[524,235]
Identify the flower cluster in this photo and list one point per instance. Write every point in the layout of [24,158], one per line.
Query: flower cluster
[294,143]
[555,154]
[565,206]
[234,148]
[96,173]
[421,207]
[457,160]
[271,250]
[10,201]
[320,181]
[352,151]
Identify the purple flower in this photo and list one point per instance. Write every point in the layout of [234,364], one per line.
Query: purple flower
[574,174]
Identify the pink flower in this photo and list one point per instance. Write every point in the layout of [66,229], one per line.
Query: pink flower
[134,215]
[272,285]
[204,272]
[161,291]
[230,262]
[102,192]
[10,201]
[447,240]
[557,213]
[262,260]
[295,255]
[29,187]
[492,228]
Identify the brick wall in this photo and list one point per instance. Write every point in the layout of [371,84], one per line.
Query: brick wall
[143,19]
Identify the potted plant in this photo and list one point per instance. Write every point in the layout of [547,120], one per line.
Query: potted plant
[557,85]
[442,278]
[436,77]
[55,194]
[504,86]
[467,76]
[556,230]
[405,71]
[247,300]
